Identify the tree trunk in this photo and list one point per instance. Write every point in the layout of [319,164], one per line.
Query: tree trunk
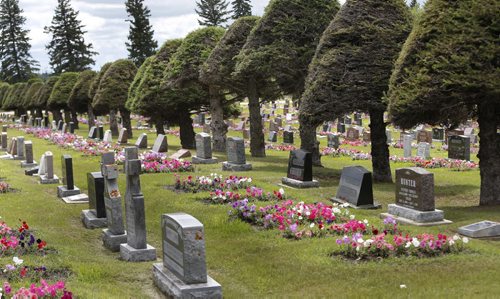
[74,119]
[56,115]
[218,126]
[91,116]
[160,129]
[127,123]
[309,142]
[489,153]
[380,149]
[186,130]
[257,143]
[113,123]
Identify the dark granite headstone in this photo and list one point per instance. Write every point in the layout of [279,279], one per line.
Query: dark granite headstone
[459,147]
[92,133]
[415,188]
[340,128]
[288,137]
[367,136]
[356,186]
[300,166]
[67,172]
[438,133]
[95,184]
[100,133]
[352,134]
[60,125]
[347,120]
[72,127]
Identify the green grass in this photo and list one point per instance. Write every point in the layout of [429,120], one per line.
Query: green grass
[251,263]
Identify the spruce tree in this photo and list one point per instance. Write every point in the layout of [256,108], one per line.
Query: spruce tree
[212,12]
[17,63]
[67,50]
[141,45]
[241,8]
[413,3]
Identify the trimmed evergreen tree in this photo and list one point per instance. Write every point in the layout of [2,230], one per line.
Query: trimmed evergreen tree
[17,64]
[212,12]
[241,8]
[79,98]
[28,101]
[43,95]
[141,43]
[59,97]
[67,50]
[4,88]
[447,71]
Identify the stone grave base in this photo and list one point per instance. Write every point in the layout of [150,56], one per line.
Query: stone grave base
[299,184]
[62,191]
[374,206]
[226,166]
[414,217]
[483,229]
[32,171]
[7,157]
[90,220]
[46,181]
[19,158]
[113,242]
[78,198]
[173,287]
[130,254]
[196,160]
[28,165]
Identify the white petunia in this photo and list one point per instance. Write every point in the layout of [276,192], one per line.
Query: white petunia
[336,210]
[456,237]
[415,242]
[408,244]
[361,241]
[282,191]
[365,221]
[451,242]
[402,286]
[311,225]
[465,240]
[352,217]
[17,261]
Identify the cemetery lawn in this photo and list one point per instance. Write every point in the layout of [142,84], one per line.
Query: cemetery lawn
[248,262]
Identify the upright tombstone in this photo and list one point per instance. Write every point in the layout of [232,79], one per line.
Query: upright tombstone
[19,148]
[68,192]
[340,128]
[100,133]
[407,140]
[115,234]
[183,273]
[424,150]
[203,150]
[438,134]
[142,141]
[356,188]
[161,144]
[64,128]
[273,136]
[299,174]
[288,137]
[123,136]
[71,127]
[54,125]
[46,172]
[367,136]
[4,141]
[424,136]
[60,125]
[388,135]
[108,136]
[92,133]
[28,149]
[459,147]
[236,160]
[136,249]
[352,134]
[4,128]
[415,203]
[333,141]
[347,120]
[13,147]
[273,126]
[46,122]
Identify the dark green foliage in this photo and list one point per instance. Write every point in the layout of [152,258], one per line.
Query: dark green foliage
[212,12]
[114,85]
[241,8]
[142,44]
[17,63]
[413,3]
[145,95]
[43,94]
[353,63]
[79,97]
[220,65]
[449,64]
[4,88]
[94,86]
[29,97]
[59,96]
[283,43]
[14,96]
[67,50]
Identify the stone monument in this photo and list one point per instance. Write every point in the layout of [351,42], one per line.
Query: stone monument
[115,234]
[203,150]
[299,173]
[356,188]
[236,160]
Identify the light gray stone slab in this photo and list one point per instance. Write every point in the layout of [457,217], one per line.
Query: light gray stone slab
[113,241]
[300,184]
[414,217]
[196,160]
[131,254]
[226,166]
[483,229]
[90,220]
[160,145]
[63,191]
[76,199]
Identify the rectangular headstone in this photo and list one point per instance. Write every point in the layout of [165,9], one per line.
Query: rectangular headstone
[28,146]
[415,189]
[72,127]
[356,186]
[367,136]
[95,184]
[49,165]
[123,136]
[92,133]
[459,147]
[100,133]
[352,134]
[424,136]
[20,148]
[4,140]
[288,137]
[438,133]
[424,150]
[273,136]
[112,200]
[300,166]
[236,150]
[407,140]
[108,137]
[67,172]
[203,146]
[340,128]
[160,145]
[142,141]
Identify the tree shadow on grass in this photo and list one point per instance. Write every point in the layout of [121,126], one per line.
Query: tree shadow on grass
[472,213]
[453,190]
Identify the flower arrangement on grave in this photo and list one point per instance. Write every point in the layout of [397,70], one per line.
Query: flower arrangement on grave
[114,194]
[19,241]
[4,187]
[44,290]
[458,165]
[158,163]
[16,271]
[212,183]
[252,194]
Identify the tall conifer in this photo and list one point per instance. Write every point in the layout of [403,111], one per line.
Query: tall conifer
[141,43]
[212,12]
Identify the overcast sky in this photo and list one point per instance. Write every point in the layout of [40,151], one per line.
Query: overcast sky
[105,25]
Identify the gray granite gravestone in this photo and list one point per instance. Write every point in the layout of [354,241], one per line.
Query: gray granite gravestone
[348,120]
[273,126]
[438,133]
[19,148]
[424,150]
[64,128]
[13,147]
[459,147]
[299,173]
[236,160]
[183,273]
[388,135]
[115,234]
[352,134]
[483,229]
[92,133]
[356,188]
[108,136]
[407,149]
[46,173]
[273,136]
[100,133]
[4,141]
[160,145]
[415,203]
[333,141]
[367,136]
[424,136]
[203,150]
[288,137]
[29,162]
[136,249]
[123,136]
[180,154]
[142,141]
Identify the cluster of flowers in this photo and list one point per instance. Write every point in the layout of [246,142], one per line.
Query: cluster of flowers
[346,152]
[4,187]
[300,220]
[395,243]
[212,183]
[20,241]
[282,147]
[17,271]
[459,165]
[252,194]
[45,290]
[157,163]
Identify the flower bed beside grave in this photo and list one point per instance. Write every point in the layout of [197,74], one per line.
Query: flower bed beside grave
[44,290]
[19,241]
[158,163]
[5,188]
